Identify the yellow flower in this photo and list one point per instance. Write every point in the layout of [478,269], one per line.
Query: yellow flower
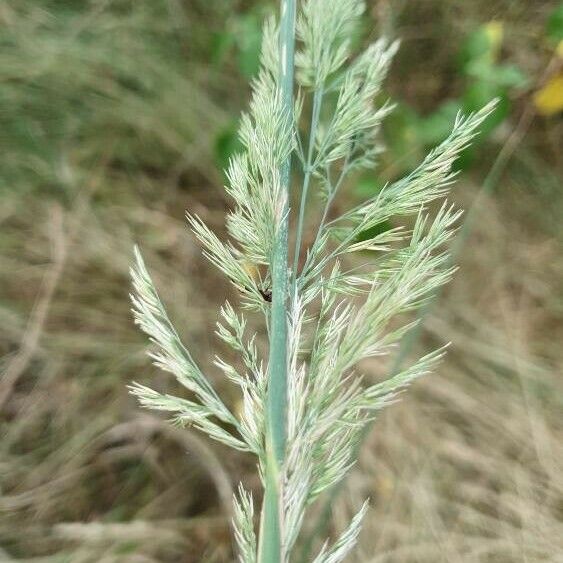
[495,32]
[549,99]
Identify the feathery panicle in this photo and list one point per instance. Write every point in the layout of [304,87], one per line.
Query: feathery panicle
[325,27]
[243,521]
[353,130]
[254,177]
[252,384]
[426,183]
[336,315]
[172,355]
[345,542]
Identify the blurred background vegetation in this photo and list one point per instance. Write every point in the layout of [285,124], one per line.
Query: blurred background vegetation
[115,117]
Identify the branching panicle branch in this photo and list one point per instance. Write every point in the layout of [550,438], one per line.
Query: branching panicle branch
[303,407]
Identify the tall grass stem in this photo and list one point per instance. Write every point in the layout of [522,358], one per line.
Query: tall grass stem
[270,545]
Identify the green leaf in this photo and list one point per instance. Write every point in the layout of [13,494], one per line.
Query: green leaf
[482,45]
[477,95]
[227,144]
[249,44]
[372,232]
[554,25]
[367,186]
[401,137]
[510,76]
[434,128]
[221,43]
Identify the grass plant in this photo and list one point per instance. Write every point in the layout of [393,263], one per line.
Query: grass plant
[102,146]
[304,410]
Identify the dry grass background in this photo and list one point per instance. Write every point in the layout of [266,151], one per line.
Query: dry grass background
[109,112]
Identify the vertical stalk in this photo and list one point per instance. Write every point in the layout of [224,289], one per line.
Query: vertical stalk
[270,543]
[317,102]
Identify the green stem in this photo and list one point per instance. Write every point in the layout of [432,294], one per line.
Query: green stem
[317,103]
[330,198]
[270,542]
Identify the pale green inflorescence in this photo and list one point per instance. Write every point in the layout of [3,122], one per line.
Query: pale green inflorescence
[335,316]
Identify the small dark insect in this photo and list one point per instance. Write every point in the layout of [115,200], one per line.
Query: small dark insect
[266,294]
[253,272]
